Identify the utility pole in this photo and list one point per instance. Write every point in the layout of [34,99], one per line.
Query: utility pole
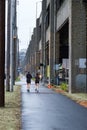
[86,42]
[13,41]
[2,51]
[8,47]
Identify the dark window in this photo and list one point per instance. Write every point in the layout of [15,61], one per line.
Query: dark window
[47,16]
[85,1]
[39,32]
[61,1]
[64,44]
[47,53]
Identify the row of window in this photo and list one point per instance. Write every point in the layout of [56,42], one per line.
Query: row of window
[58,5]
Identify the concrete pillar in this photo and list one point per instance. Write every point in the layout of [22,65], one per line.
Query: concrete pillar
[43,33]
[77,47]
[51,43]
[57,48]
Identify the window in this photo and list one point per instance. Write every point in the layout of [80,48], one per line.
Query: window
[39,32]
[47,53]
[47,16]
[85,1]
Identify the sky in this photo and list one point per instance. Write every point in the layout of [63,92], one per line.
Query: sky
[27,10]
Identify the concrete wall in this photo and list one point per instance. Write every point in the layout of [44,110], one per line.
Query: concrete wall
[48,34]
[40,20]
[48,1]
[74,11]
[77,46]
[63,14]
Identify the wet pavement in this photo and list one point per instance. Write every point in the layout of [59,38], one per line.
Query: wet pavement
[48,110]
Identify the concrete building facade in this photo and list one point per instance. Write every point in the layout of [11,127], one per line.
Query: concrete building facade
[71,33]
[61,41]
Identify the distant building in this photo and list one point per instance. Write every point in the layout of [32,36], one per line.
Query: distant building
[21,57]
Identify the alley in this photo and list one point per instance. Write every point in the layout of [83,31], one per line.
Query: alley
[48,110]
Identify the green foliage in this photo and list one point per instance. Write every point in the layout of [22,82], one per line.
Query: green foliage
[64,86]
[33,79]
[18,79]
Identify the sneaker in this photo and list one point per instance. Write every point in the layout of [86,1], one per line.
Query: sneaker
[28,90]
[35,89]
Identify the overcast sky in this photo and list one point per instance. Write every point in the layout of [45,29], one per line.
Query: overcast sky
[26,20]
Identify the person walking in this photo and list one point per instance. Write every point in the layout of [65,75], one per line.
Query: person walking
[37,79]
[28,80]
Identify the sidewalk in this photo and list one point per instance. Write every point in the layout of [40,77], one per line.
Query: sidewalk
[50,110]
[80,98]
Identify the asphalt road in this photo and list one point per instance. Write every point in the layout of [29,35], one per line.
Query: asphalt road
[48,110]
